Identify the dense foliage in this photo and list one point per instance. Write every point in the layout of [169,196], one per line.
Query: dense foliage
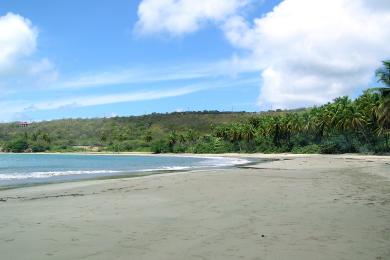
[344,125]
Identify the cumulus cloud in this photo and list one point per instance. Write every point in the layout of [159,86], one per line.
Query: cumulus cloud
[312,51]
[307,52]
[18,43]
[17,39]
[183,16]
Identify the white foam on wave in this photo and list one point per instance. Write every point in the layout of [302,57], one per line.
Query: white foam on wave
[223,161]
[39,175]
[208,162]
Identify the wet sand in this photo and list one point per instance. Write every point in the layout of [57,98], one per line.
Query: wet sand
[300,207]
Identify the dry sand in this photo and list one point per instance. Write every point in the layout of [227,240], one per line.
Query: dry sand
[303,207]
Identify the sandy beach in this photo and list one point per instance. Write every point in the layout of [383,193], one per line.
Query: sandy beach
[298,207]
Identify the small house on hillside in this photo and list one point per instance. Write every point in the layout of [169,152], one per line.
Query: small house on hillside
[23,124]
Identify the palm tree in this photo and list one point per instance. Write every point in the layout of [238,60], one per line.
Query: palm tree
[275,129]
[148,137]
[255,122]
[383,75]
[248,132]
[235,133]
[264,128]
[190,136]
[383,110]
[305,123]
[319,121]
[351,119]
[368,104]
[182,138]
[172,138]
[46,138]
[290,124]
[222,132]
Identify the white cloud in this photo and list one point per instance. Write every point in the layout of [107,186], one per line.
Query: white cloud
[168,73]
[12,110]
[307,52]
[183,16]
[312,51]
[95,100]
[18,39]
[130,76]
[18,44]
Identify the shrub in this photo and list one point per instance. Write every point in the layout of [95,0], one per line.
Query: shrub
[179,148]
[161,146]
[337,144]
[16,146]
[382,149]
[37,148]
[330,148]
[312,148]
[210,144]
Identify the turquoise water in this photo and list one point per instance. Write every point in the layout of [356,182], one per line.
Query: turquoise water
[18,169]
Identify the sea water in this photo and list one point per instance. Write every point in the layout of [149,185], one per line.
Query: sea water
[25,169]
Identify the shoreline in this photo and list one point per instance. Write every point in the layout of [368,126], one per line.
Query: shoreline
[257,159]
[130,174]
[273,159]
[251,159]
[265,158]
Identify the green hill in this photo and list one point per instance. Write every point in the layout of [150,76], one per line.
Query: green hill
[133,133]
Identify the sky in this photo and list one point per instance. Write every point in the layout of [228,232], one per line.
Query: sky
[83,59]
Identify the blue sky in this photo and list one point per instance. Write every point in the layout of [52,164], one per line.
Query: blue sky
[103,58]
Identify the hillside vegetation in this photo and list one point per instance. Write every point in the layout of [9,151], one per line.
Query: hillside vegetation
[344,125]
[135,133]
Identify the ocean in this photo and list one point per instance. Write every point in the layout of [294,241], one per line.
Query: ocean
[28,169]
